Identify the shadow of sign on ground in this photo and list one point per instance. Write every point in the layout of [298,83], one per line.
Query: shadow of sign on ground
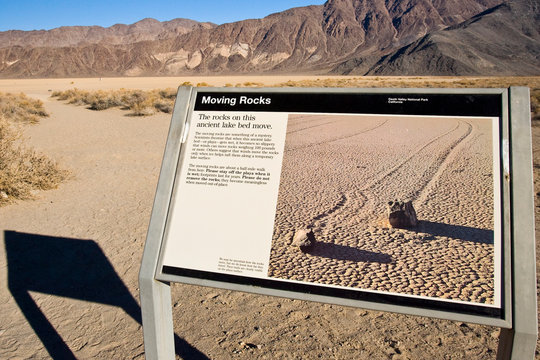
[71,268]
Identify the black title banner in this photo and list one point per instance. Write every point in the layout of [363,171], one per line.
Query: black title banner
[353,103]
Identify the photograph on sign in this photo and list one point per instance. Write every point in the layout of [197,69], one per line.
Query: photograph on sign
[374,197]
[398,204]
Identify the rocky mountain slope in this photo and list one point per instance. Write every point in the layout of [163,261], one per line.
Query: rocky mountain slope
[342,36]
[491,43]
[146,29]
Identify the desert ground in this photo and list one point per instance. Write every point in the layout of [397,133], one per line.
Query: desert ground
[69,259]
[339,173]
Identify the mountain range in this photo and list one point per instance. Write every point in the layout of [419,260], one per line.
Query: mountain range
[361,37]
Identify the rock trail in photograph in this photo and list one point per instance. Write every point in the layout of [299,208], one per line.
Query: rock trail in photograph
[340,172]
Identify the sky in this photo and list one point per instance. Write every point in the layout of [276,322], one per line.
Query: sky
[49,14]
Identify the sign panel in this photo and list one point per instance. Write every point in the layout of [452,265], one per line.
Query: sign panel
[260,168]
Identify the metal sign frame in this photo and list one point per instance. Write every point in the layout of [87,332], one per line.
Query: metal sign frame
[518,317]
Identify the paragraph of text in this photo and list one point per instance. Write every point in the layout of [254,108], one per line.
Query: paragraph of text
[207,145]
[217,175]
[239,266]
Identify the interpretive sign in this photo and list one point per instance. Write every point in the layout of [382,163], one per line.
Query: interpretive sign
[295,192]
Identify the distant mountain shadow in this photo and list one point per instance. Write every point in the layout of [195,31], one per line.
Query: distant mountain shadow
[460,232]
[71,268]
[349,253]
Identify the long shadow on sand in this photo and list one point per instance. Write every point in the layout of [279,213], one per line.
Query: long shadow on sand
[466,233]
[349,253]
[71,268]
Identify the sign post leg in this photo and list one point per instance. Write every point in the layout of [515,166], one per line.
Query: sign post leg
[155,295]
[157,319]
[520,341]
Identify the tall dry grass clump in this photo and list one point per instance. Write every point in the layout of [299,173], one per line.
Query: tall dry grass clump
[139,102]
[22,170]
[20,108]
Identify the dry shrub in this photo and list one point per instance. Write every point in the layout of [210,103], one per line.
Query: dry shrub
[96,100]
[137,101]
[168,93]
[20,108]
[163,100]
[140,102]
[164,106]
[102,100]
[23,171]
[142,109]
[253,84]
[72,96]
[134,97]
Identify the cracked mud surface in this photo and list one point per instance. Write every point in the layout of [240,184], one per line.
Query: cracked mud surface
[338,174]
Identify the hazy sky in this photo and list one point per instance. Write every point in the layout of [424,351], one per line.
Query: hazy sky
[48,14]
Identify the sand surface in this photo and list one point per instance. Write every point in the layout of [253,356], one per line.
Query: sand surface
[69,260]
